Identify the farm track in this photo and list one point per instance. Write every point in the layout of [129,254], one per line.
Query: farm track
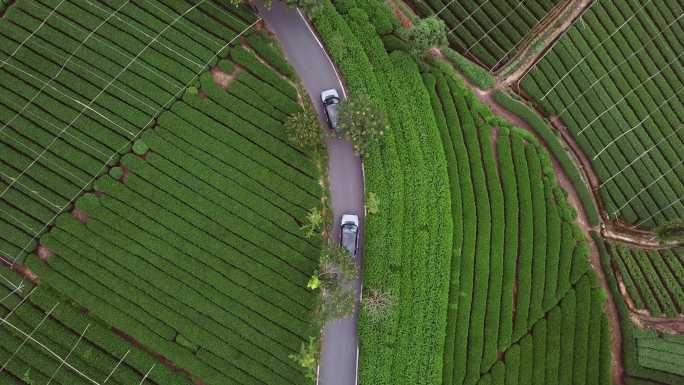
[485,97]
[547,34]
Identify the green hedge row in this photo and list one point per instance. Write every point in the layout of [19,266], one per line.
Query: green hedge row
[653,279]
[263,46]
[529,264]
[473,72]
[551,140]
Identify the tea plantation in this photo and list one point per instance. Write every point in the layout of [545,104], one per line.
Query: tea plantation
[615,80]
[150,197]
[506,296]
[79,82]
[153,203]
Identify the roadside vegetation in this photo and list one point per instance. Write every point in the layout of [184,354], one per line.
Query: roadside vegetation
[464,297]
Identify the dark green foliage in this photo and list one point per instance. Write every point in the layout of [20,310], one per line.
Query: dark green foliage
[425,34]
[551,139]
[476,74]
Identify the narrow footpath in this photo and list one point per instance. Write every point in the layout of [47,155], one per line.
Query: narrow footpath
[303,49]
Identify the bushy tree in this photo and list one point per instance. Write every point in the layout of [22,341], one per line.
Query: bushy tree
[337,263]
[307,358]
[314,223]
[334,278]
[425,34]
[362,122]
[303,129]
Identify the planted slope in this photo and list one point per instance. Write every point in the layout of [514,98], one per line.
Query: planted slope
[524,306]
[94,351]
[615,81]
[653,279]
[194,247]
[80,81]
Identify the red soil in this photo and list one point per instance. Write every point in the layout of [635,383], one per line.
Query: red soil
[43,253]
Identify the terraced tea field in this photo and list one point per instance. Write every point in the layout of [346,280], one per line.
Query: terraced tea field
[150,192]
[647,281]
[39,327]
[80,81]
[615,81]
[522,294]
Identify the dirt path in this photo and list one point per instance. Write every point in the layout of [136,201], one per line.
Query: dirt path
[545,36]
[563,180]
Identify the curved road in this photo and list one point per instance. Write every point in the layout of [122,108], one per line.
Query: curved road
[339,350]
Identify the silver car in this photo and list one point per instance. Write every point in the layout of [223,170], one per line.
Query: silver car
[350,233]
[331,100]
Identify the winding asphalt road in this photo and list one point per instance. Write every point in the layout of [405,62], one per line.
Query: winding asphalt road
[339,350]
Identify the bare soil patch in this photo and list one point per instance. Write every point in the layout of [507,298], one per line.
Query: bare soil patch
[223,79]
[44,253]
[79,215]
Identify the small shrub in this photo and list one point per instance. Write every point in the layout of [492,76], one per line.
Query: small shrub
[362,122]
[226,66]
[314,223]
[307,358]
[140,147]
[303,130]
[116,172]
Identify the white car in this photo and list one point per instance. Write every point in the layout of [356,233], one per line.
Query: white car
[350,233]
[331,100]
